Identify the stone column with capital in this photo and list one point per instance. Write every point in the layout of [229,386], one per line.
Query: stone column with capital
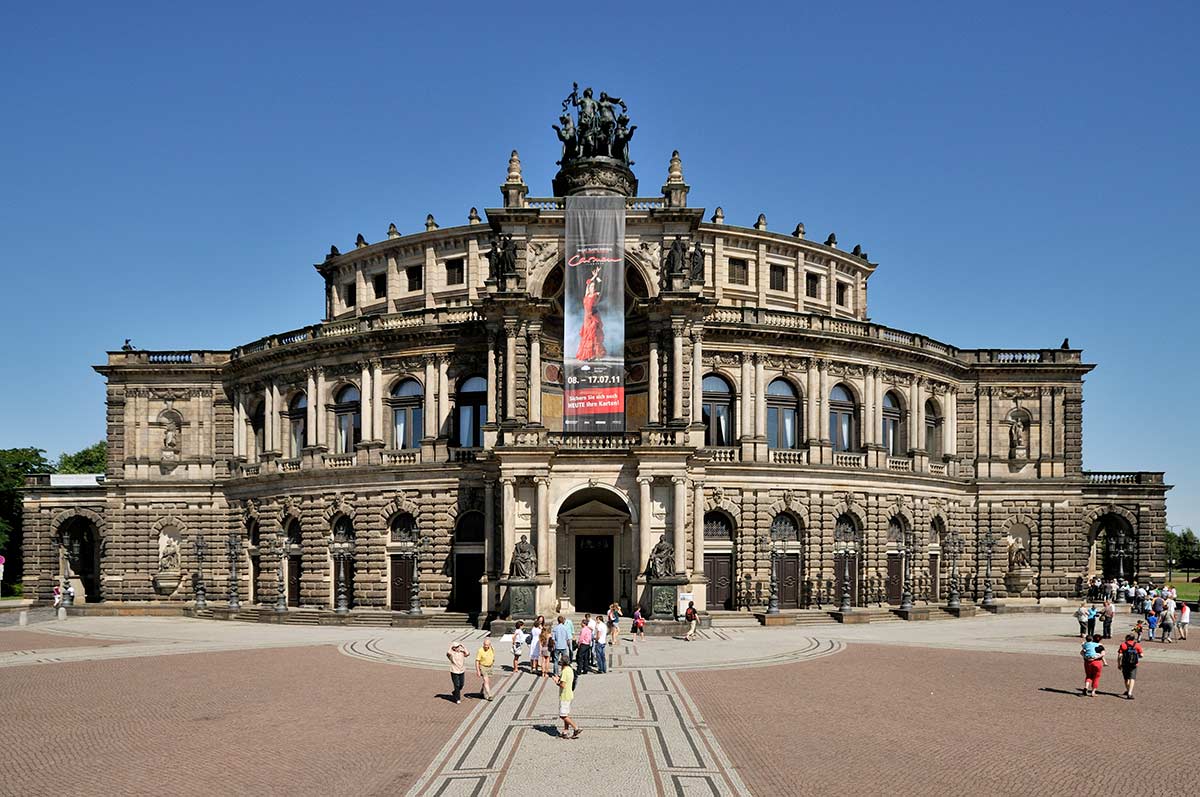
[654,394]
[444,421]
[543,525]
[677,371]
[814,404]
[746,404]
[823,366]
[699,579]
[430,410]
[508,507]
[644,511]
[760,409]
[510,370]
[489,529]
[313,401]
[697,375]
[377,398]
[321,432]
[365,405]
[679,523]
[535,374]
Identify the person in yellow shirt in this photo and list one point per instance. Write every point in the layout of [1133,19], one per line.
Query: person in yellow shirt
[484,660]
[566,693]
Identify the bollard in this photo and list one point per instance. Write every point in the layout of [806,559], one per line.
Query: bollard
[23,617]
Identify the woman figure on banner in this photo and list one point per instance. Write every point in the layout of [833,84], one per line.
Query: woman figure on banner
[591,334]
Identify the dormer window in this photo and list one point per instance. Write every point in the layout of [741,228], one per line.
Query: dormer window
[413,273]
[456,273]
[379,282]
[349,294]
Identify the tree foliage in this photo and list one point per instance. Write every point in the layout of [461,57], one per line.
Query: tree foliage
[1184,548]
[93,459]
[15,465]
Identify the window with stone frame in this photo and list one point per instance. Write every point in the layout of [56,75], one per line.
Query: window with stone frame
[456,271]
[470,412]
[812,286]
[783,415]
[414,276]
[297,420]
[784,528]
[379,285]
[893,426]
[843,294]
[347,415]
[404,528]
[717,411]
[843,419]
[779,278]
[258,428]
[407,403]
[739,271]
[933,429]
[717,527]
[349,294]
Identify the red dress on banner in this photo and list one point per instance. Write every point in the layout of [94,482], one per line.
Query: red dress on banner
[591,334]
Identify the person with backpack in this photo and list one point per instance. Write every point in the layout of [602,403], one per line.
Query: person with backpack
[692,619]
[1093,664]
[1128,656]
[639,624]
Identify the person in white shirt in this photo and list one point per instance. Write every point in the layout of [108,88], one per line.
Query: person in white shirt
[1185,617]
[600,642]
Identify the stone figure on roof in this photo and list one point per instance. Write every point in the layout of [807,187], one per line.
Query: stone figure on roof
[676,257]
[696,273]
[602,131]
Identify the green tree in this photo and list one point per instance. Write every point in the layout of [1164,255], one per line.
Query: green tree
[15,465]
[1189,550]
[93,459]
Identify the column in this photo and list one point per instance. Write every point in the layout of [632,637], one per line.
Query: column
[823,417]
[365,404]
[492,395]
[535,374]
[543,525]
[269,419]
[310,412]
[510,369]
[489,528]
[508,510]
[238,425]
[950,426]
[919,414]
[676,371]
[679,522]
[760,399]
[914,439]
[747,396]
[654,397]
[870,402]
[814,402]
[697,528]
[322,430]
[377,398]
[443,410]
[644,510]
[697,376]
[430,409]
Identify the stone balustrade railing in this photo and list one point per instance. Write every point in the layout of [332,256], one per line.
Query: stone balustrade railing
[723,454]
[899,464]
[1123,477]
[287,465]
[937,468]
[400,457]
[844,459]
[465,454]
[595,442]
[631,203]
[341,460]
[789,456]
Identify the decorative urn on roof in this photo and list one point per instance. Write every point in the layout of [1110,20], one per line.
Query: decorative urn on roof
[595,146]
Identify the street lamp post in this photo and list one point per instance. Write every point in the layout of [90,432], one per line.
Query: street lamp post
[280,587]
[844,540]
[201,591]
[342,605]
[235,550]
[954,547]
[909,543]
[773,601]
[414,587]
[989,542]
[1170,570]
[1120,552]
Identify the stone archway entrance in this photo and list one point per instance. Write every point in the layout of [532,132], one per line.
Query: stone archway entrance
[595,550]
[1111,548]
[81,558]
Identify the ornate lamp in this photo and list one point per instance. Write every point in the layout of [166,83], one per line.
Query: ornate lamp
[954,547]
[235,550]
[909,543]
[773,602]
[844,539]
[989,542]
[280,587]
[201,592]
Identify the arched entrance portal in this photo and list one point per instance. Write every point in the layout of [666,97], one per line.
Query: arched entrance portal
[81,558]
[1111,547]
[595,551]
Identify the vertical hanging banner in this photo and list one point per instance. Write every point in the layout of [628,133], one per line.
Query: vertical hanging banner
[594,316]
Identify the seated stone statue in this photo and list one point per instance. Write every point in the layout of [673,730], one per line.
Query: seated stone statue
[662,559]
[524,560]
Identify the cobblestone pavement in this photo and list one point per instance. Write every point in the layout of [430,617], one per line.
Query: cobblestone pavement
[21,642]
[935,722]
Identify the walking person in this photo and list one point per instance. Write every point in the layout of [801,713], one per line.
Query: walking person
[1185,619]
[614,619]
[484,661]
[545,644]
[566,693]
[639,625]
[1128,656]
[1139,628]
[1151,625]
[518,642]
[583,655]
[562,642]
[58,596]
[1093,664]
[1081,616]
[1091,622]
[692,618]
[1106,614]
[1167,621]
[600,646]
[457,654]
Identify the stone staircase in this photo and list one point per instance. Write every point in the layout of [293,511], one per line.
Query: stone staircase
[938,613]
[371,619]
[451,620]
[303,617]
[726,619]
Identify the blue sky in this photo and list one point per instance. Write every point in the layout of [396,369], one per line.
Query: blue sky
[1021,173]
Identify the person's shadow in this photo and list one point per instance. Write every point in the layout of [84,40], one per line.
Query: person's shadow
[1076,692]
[549,730]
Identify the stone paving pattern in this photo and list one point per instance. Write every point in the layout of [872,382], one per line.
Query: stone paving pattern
[15,641]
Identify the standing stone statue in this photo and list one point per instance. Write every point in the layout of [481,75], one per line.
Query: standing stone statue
[171,436]
[1018,557]
[508,255]
[621,137]
[524,560]
[662,559]
[696,273]
[676,257]
[1016,433]
[493,258]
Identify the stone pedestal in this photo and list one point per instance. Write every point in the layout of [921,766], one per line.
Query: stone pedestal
[1017,581]
[166,583]
[851,618]
[522,598]
[595,175]
[915,613]
[775,619]
[961,611]
[663,596]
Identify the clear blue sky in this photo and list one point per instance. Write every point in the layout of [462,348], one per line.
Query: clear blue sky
[171,171]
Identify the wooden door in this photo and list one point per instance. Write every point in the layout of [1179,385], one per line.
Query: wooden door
[787,577]
[402,579]
[293,574]
[843,565]
[935,578]
[718,569]
[255,576]
[895,578]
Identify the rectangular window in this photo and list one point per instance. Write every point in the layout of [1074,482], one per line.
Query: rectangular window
[379,283]
[414,278]
[349,294]
[812,286]
[843,293]
[298,436]
[739,272]
[456,273]
[779,278]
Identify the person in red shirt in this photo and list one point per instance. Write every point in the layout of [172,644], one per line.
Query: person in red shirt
[1128,656]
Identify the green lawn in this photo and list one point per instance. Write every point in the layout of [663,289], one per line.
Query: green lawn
[1187,591]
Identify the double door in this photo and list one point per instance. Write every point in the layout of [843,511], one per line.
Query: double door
[402,581]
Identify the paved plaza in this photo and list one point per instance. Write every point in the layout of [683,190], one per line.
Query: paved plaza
[177,706]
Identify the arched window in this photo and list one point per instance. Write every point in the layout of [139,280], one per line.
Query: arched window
[718,411]
[404,528]
[253,534]
[893,439]
[343,530]
[936,529]
[717,526]
[933,429]
[843,419]
[469,529]
[297,417]
[784,528]
[783,415]
[471,401]
[406,414]
[347,413]
[294,536]
[258,426]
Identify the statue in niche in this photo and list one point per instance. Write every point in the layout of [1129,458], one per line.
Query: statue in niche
[696,274]
[676,257]
[168,560]
[493,258]
[524,560]
[662,559]
[1018,557]
[1016,433]
[171,435]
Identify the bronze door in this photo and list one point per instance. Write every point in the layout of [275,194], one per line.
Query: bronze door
[402,579]
[293,586]
[843,563]
[895,578]
[787,579]
[718,569]
[255,575]
[935,578]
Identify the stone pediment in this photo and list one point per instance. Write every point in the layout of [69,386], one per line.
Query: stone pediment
[594,509]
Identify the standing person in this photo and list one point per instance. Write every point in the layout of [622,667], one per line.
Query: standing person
[535,646]
[1185,619]
[614,618]
[692,618]
[518,641]
[600,645]
[639,624]
[1140,593]
[583,655]
[1081,616]
[1091,621]
[1167,621]
[1106,614]
[484,661]
[1093,664]
[58,597]
[1151,625]
[566,693]
[545,644]
[1128,656]
[457,654]
[1139,628]
[562,642]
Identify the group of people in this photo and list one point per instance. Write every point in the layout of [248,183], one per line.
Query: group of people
[1162,613]
[1129,654]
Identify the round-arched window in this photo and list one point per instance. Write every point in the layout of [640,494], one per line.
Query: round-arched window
[933,429]
[784,528]
[407,404]
[717,526]
[843,419]
[347,413]
[471,412]
[717,411]
[893,439]
[783,415]
[297,420]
